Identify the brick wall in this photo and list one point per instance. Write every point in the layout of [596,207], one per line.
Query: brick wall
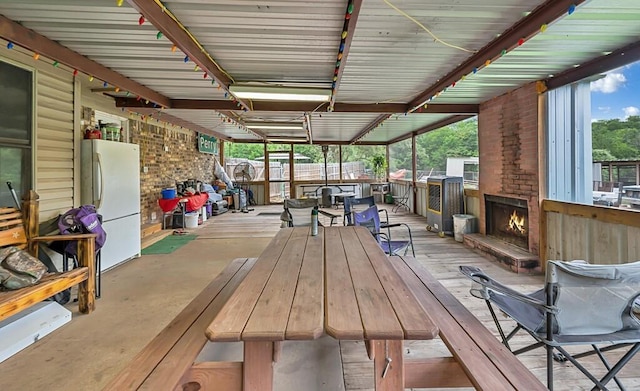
[169,155]
[508,146]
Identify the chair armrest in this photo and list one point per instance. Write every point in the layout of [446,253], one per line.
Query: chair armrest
[68,237]
[479,277]
[330,215]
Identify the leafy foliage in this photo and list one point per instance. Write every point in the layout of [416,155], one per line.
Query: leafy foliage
[620,139]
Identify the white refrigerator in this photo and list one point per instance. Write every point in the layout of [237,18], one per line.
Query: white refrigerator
[110,180]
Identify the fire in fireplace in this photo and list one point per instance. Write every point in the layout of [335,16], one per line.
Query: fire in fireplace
[507,220]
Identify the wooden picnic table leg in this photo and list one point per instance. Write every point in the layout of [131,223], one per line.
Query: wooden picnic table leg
[258,366]
[393,379]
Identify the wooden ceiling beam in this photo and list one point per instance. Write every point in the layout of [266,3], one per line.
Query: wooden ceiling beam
[380,119]
[528,26]
[349,27]
[390,108]
[616,59]
[22,36]
[160,17]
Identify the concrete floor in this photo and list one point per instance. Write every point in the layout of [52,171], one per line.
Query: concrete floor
[141,296]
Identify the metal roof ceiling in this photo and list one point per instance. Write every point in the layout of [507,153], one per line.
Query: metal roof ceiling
[389,57]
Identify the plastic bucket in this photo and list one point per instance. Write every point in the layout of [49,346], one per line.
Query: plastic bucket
[191,220]
[462,224]
[168,193]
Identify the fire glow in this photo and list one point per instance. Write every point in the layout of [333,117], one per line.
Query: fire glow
[516,224]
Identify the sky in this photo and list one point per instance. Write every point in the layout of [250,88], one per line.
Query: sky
[617,95]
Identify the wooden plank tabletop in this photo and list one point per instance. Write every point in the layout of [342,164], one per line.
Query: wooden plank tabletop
[280,297]
[339,282]
[384,308]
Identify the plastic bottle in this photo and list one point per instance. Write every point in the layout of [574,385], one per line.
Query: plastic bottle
[314,221]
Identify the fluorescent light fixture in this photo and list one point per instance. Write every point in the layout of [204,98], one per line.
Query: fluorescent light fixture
[274,125]
[287,140]
[281,93]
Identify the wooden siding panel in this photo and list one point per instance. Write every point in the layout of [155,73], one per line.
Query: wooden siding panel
[54,147]
[593,233]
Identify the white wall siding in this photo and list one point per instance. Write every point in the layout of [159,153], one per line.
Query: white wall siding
[54,144]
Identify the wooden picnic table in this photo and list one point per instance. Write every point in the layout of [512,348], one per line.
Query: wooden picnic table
[338,283]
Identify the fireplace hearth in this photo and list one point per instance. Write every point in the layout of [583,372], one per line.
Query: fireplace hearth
[507,219]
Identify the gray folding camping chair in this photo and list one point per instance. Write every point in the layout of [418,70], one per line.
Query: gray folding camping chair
[297,212]
[581,304]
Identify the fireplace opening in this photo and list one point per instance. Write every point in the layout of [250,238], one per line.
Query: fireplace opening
[507,219]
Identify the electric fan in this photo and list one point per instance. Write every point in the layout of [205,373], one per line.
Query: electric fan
[243,173]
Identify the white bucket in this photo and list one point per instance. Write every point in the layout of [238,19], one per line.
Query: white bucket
[191,220]
[462,224]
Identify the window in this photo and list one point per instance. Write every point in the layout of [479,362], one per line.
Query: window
[358,161]
[400,160]
[451,150]
[16,129]
[594,139]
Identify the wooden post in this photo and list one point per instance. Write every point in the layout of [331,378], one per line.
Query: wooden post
[31,219]
[87,288]
[393,379]
[258,366]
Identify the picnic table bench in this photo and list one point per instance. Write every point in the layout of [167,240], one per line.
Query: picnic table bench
[167,362]
[479,359]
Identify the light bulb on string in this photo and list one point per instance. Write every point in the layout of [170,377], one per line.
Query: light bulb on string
[159,35]
[36,56]
[173,48]
[9,45]
[186,59]
[56,64]
[503,52]
[141,20]
[105,84]
[487,63]
[543,28]
[75,72]
[344,34]
[520,41]
[119,3]
[117,89]
[90,78]
[571,9]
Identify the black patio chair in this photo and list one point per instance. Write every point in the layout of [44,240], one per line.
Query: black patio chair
[402,201]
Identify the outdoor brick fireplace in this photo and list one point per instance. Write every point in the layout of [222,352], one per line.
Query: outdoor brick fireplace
[507,220]
[509,183]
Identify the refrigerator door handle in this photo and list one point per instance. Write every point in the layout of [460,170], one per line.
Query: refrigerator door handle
[99,156]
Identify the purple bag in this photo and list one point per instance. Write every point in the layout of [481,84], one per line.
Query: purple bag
[84,219]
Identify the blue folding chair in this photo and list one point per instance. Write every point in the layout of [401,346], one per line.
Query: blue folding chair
[370,218]
[353,204]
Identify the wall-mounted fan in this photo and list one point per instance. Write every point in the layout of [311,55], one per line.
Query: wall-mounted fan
[243,173]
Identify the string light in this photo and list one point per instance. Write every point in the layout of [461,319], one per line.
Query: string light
[75,72]
[159,35]
[90,78]
[119,3]
[9,45]
[105,84]
[36,56]
[56,64]
[141,20]
[173,48]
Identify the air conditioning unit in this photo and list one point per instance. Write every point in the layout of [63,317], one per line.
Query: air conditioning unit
[445,198]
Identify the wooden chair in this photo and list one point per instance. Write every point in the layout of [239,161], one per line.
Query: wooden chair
[20,228]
